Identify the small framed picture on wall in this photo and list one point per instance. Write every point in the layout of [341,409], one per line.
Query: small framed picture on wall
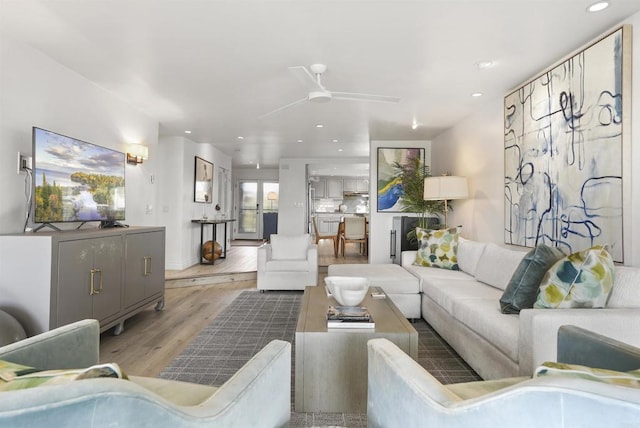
[203,181]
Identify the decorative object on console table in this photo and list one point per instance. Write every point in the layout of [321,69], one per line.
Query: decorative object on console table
[565,197]
[203,181]
[214,224]
[389,184]
[445,188]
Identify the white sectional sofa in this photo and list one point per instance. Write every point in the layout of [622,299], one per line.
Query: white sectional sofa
[464,308]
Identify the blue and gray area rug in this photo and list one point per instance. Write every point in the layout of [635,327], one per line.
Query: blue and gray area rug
[254,319]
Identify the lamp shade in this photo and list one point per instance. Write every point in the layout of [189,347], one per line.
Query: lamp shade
[139,150]
[445,187]
[272,196]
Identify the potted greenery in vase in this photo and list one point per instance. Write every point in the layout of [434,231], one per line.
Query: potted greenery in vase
[412,175]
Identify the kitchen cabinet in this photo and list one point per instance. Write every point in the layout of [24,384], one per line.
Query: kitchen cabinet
[318,188]
[54,278]
[360,185]
[328,224]
[334,188]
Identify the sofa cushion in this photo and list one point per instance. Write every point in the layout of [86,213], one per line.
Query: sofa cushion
[483,316]
[630,379]
[437,248]
[287,266]
[522,290]
[426,273]
[579,280]
[626,288]
[391,277]
[469,253]
[289,247]
[16,376]
[177,392]
[497,265]
[445,294]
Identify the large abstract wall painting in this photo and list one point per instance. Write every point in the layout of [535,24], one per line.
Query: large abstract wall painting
[389,185]
[566,135]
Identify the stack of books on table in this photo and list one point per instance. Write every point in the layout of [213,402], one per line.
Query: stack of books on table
[349,317]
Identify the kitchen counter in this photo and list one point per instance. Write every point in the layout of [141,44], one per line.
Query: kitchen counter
[339,213]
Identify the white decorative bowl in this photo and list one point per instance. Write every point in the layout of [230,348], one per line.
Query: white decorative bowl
[347,290]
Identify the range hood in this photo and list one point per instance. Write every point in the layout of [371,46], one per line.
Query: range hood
[360,194]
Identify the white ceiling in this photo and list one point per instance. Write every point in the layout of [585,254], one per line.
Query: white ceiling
[213,67]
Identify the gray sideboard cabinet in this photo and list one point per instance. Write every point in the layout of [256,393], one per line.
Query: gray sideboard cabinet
[49,279]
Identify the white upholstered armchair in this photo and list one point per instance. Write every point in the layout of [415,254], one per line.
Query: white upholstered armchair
[288,262]
[403,394]
[258,394]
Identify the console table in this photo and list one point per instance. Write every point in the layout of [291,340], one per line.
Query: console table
[51,279]
[214,224]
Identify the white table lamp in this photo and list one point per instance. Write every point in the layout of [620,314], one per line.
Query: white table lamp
[445,188]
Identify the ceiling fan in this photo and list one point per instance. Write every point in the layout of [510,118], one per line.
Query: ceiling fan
[319,94]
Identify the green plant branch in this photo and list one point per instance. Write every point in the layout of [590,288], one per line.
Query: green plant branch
[412,175]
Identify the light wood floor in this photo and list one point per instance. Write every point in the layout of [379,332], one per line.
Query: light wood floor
[193,298]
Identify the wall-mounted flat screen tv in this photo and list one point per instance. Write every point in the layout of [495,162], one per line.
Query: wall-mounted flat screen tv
[76,181]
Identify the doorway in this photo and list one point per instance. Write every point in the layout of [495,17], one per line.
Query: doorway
[257,204]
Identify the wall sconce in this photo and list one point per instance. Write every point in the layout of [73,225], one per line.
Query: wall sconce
[137,153]
[444,188]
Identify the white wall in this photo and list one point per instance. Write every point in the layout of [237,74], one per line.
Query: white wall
[380,223]
[37,91]
[292,206]
[176,205]
[475,148]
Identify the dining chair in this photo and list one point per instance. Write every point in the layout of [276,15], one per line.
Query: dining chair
[354,232]
[319,237]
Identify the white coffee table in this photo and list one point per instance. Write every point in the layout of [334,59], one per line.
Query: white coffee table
[331,366]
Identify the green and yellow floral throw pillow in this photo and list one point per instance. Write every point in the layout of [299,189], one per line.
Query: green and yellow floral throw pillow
[15,376]
[437,248]
[630,379]
[579,280]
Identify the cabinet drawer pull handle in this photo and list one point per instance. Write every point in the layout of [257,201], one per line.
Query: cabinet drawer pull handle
[147,265]
[93,290]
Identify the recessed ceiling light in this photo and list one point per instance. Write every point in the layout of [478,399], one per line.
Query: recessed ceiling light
[339,150]
[414,124]
[299,141]
[477,94]
[258,165]
[240,137]
[335,141]
[485,64]
[319,125]
[598,6]
[187,132]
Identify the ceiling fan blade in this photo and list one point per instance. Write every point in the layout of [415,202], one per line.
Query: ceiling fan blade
[305,77]
[350,96]
[301,100]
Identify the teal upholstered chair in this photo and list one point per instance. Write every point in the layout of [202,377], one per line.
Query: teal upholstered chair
[259,394]
[403,394]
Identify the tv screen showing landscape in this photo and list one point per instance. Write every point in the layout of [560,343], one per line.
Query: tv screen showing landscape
[76,181]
